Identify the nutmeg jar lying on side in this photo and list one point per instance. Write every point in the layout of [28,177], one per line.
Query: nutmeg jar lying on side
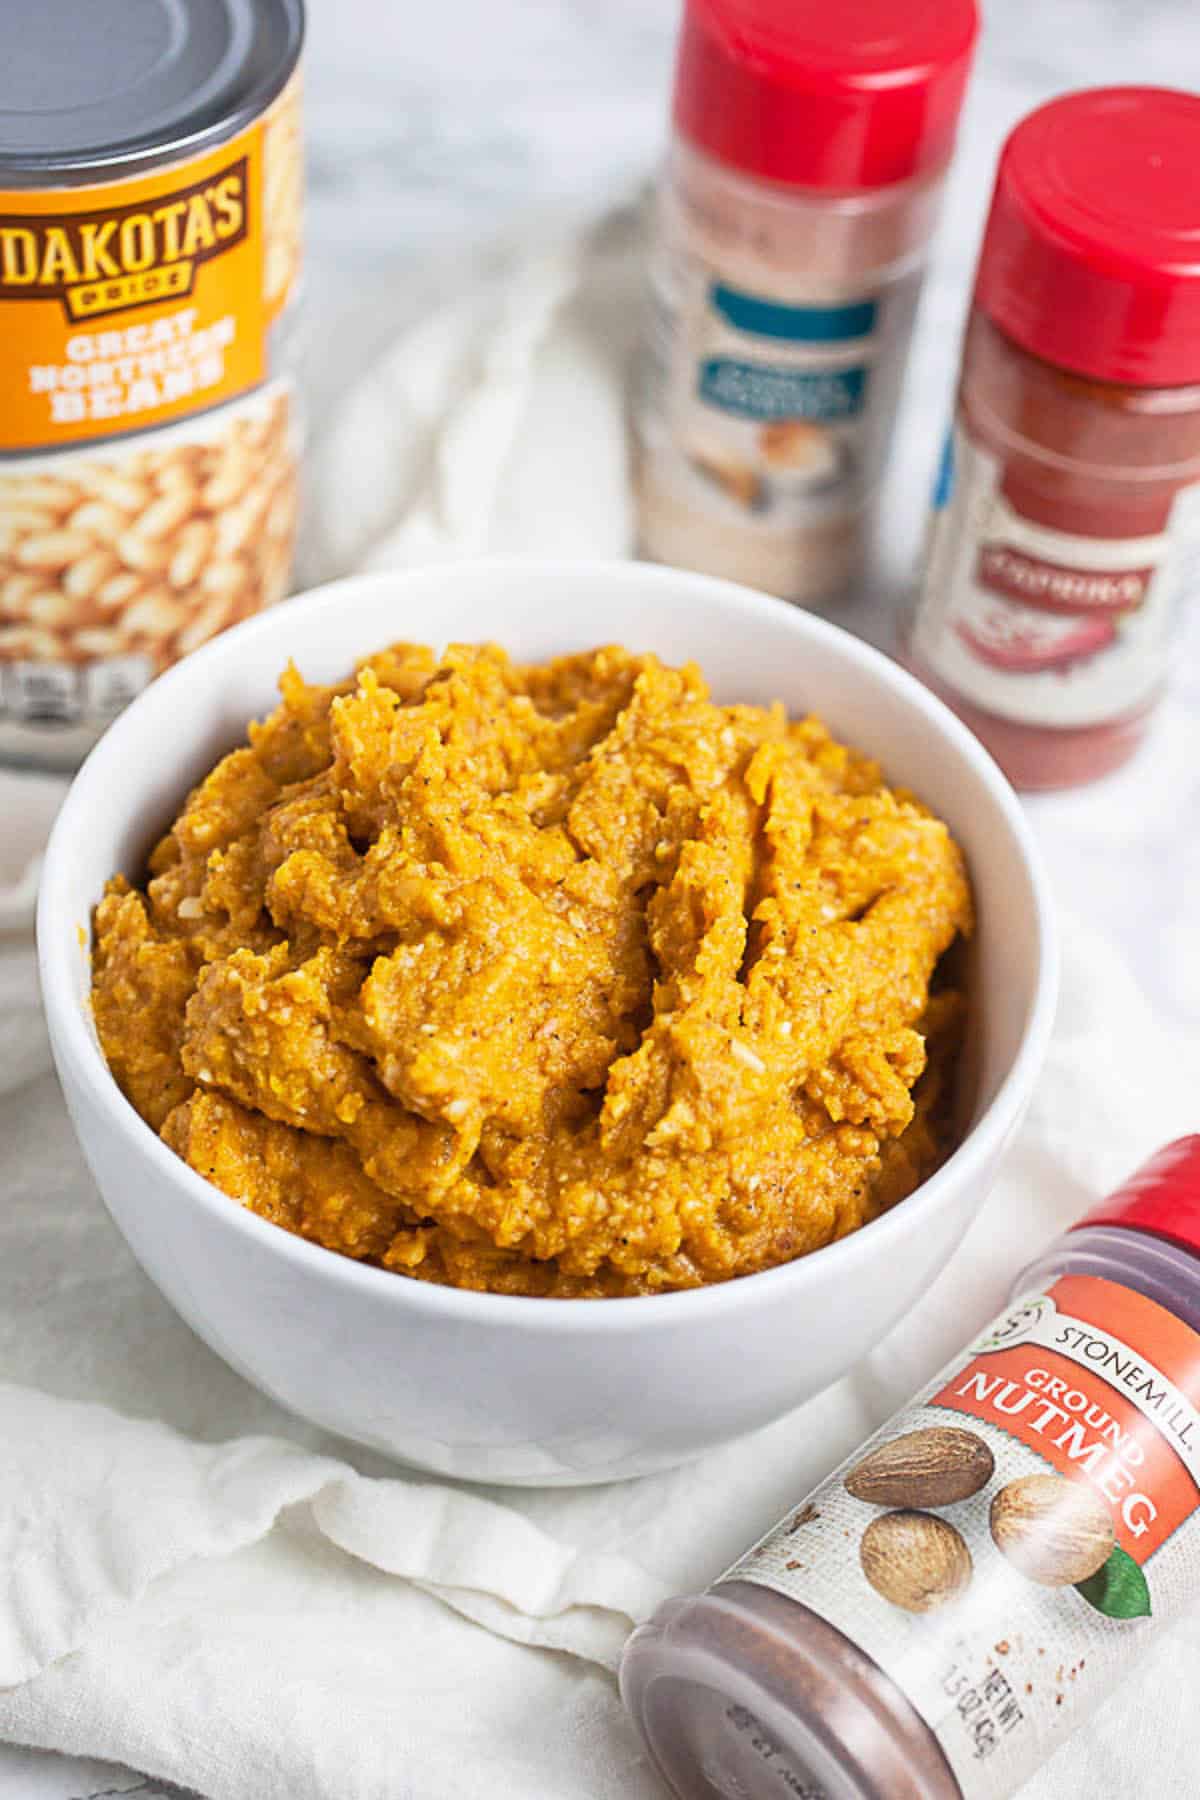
[937,1617]
[150,239]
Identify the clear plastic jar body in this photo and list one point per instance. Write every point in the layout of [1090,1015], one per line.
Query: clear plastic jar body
[742,1692]
[779,326]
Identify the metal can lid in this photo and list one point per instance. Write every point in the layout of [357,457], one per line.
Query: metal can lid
[92,91]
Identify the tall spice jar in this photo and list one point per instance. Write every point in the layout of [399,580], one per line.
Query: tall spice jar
[151,192]
[934,1619]
[791,228]
[1066,527]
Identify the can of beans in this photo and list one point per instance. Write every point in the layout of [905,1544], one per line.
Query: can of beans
[151,198]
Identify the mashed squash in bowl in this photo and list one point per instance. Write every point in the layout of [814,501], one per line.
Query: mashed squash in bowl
[555,979]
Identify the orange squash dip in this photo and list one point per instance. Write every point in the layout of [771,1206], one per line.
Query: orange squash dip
[555,980]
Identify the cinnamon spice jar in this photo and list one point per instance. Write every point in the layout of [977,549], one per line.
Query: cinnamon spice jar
[1066,529]
[792,223]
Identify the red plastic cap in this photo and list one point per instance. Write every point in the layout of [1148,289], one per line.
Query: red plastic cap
[843,95]
[1091,259]
[1163,1197]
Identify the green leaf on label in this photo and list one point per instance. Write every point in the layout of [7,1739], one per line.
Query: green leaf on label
[1118,1588]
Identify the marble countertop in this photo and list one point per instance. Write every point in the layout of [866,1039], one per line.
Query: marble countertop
[436,130]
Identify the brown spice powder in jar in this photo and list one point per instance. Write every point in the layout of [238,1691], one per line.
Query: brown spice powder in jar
[778,502]
[1067,521]
[755,1681]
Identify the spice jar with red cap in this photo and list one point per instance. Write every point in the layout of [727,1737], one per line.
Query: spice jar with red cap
[791,228]
[1066,528]
[933,1620]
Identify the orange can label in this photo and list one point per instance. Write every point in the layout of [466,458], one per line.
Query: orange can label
[134,303]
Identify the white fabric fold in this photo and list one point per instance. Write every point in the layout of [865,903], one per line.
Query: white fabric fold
[493,425]
[87,1550]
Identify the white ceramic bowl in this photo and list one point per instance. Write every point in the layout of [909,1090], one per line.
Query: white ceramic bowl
[487,1386]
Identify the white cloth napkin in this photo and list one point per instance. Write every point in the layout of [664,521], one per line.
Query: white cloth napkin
[495,425]
[195,1584]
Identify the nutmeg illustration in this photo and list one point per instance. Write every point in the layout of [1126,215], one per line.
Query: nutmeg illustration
[1057,1532]
[933,1467]
[915,1560]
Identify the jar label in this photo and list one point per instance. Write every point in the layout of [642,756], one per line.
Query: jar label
[148,441]
[1004,1546]
[1041,625]
[762,410]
